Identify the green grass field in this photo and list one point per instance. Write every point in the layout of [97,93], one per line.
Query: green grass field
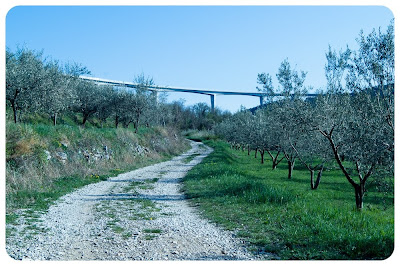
[285,217]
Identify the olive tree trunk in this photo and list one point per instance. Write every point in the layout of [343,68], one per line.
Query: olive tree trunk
[14,108]
[262,151]
[275,160]
[290,168]
[314,184]
[359,193]
[116,121]
[358,188]
[54,119]
[291,159]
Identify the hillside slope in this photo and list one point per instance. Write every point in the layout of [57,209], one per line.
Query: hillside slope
[44,162]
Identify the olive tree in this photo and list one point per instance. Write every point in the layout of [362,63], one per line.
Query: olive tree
[141,100]
[105,110]
[272,147]
[280,119]
[259,133]
[88,99]
[158,113]
[239,121]
[285,122]
[24,76]
[358,122]
[272,134]
[55,94]
[286,119]
[221,130]
[263,135]
[118,104]
[235,129]
[246,131]
[311,148]
[176,114]
[355,134]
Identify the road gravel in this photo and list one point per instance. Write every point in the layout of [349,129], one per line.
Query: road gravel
[139,215]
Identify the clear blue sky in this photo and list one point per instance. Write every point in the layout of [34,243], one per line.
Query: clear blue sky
[220,48]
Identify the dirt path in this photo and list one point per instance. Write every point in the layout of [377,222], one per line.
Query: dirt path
[140,215]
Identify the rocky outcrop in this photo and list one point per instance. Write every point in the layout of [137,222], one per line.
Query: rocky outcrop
[91,154]
[140,150]
[61,156]
[96,155]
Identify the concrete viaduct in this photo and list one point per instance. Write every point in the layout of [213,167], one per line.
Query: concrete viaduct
[156,89]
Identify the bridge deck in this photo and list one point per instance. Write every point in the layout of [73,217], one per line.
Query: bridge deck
[211,93]
[179,89]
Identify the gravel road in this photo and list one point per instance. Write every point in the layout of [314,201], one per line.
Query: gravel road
[140,215]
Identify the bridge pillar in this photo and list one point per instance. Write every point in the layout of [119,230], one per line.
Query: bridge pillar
[261,100]
[155,94]
[212,96]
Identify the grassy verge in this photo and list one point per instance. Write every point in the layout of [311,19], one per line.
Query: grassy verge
[285,217]
[40,200]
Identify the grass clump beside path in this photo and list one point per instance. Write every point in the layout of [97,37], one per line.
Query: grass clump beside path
[285,217]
